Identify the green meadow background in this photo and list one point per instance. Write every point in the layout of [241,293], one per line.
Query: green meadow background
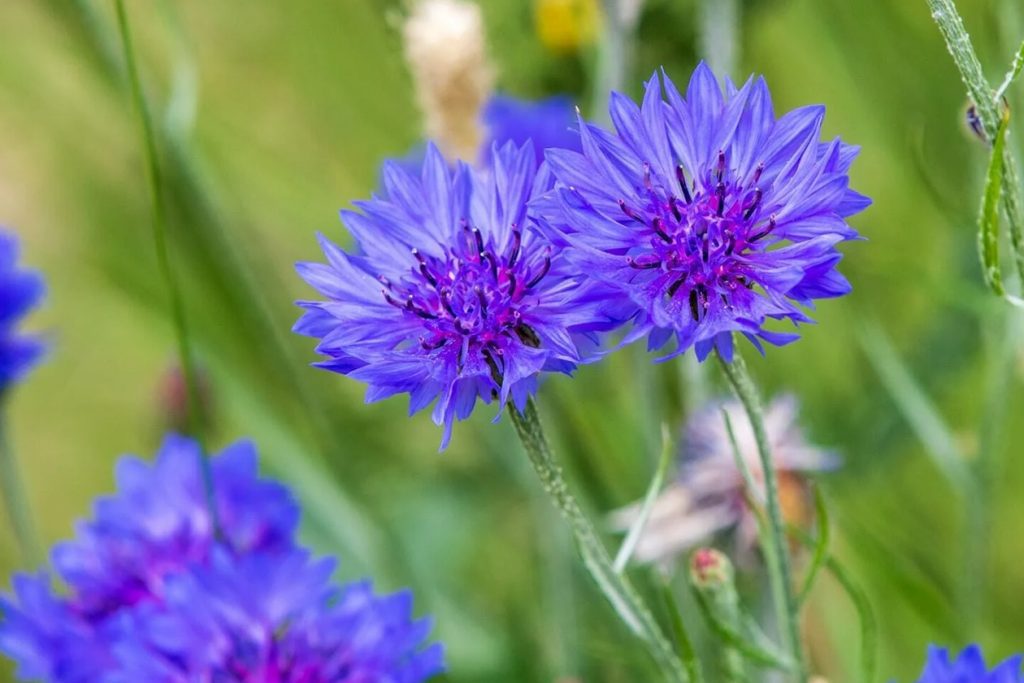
[276,114]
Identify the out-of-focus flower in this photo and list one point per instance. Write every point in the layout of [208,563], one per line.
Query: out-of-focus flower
[154,594]
[968,667]
[259,618]
[567,25]
[21,291]
[172,399]
[708,496]
[706,213]
[549,123]
[453,294]
[445,48]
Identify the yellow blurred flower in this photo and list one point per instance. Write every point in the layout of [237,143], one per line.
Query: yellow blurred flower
[567,25]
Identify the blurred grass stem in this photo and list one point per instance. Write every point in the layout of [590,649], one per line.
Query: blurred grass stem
[779,570]
[719,35]
[616,587]
[176,302]
[15,500]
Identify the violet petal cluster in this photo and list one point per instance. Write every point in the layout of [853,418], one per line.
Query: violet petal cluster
[21,290]
[154,594]
[968,667]
[452,295]
[707,214]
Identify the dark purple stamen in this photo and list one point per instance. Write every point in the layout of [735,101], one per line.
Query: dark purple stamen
[681,177]
[517,243]
[543,271]
[643,262]
[753,204]
[433,346]
[674,287]
[757,173]
[656,226]
[630,212]
[694,312]
[766,231]
[720,192]
[721,166]
[673,204]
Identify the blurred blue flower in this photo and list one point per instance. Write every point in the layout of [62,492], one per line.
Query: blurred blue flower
[452,294]
[547,123]
[20,291]
[274,618]
[153,542]
[968,667]
[706,213]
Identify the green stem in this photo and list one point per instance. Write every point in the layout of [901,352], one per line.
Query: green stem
[958,42]
[159,211]
[616,588]
[15,500]
[779,570]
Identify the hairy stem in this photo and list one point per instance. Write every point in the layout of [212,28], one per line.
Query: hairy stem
[616,587]
[958,42]
[779,570]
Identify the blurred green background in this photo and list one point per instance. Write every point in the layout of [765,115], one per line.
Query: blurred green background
[278,114]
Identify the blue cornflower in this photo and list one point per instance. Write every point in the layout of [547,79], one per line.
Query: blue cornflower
[156,526]
[261,619]
[548,123]
[153,594]
[20,291]
[968,667]
[706,213]
[452,294]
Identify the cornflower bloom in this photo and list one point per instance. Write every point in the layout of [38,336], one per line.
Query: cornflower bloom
[150,562]
[258,618]
[548,123]
[707,214]
[968,667]
[22,291]
[452,294]
[709,495]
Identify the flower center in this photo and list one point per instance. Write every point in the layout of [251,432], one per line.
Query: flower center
[473,296]
[698,234]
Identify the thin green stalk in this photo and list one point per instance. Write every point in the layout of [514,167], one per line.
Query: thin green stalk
[719,35]
[159,216]
[958,42]
[615,54]
[15,500]
[779,570]
[616,588]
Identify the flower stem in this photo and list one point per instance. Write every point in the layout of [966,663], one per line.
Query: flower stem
[616,587]
[15,500]
[159,210]
[777,559]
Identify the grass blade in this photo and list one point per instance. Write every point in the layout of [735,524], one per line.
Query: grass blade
[917,409]
[633,536]
[820,546]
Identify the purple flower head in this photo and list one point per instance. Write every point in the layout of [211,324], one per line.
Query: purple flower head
[705,212]
[548,123]
[968,667]
[261,618]
[453,294]
[157,526]
[20,291]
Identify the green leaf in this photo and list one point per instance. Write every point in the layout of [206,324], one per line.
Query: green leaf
[865,614]
[988,217]
[761,652]
[629,544]
[820,546]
